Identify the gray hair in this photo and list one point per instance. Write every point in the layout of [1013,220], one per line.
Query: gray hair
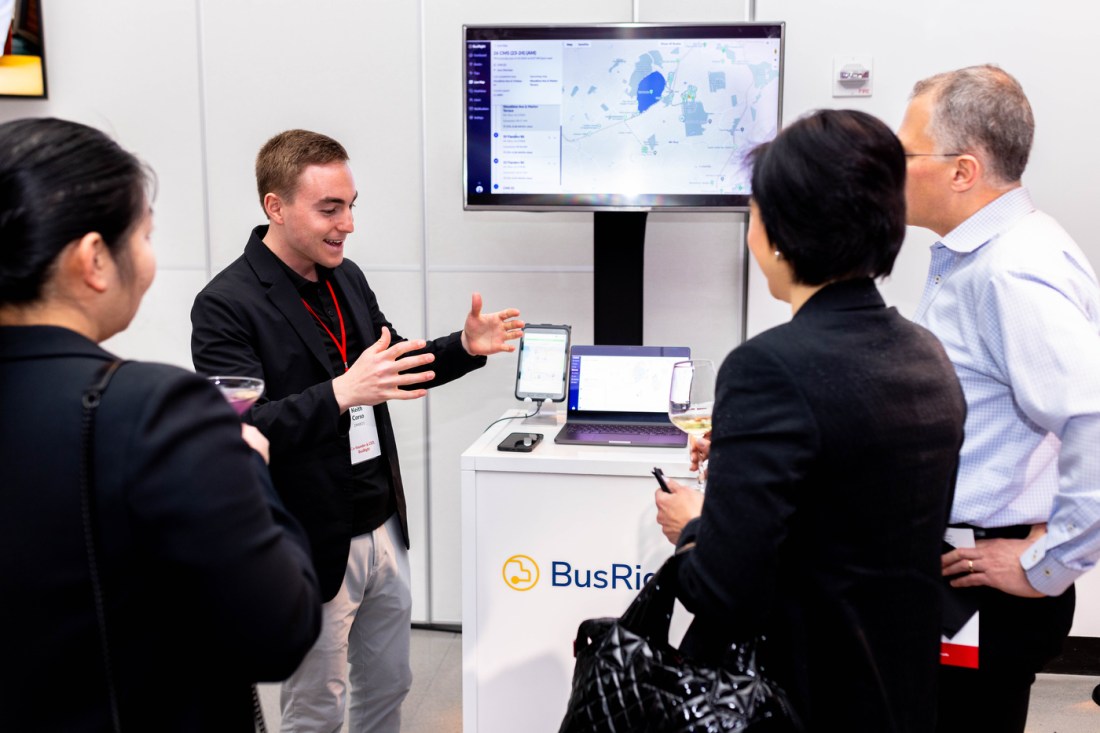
[981,109]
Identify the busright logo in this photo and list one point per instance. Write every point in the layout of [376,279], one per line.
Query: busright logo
[520,572]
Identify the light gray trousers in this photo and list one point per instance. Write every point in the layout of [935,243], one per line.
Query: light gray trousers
[367,625]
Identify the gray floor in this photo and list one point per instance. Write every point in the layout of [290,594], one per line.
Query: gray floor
[1062,703]
[1059,703]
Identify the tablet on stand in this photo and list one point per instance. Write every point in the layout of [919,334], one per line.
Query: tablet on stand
[542,369]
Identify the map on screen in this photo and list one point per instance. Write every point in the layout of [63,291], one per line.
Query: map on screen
[665,119]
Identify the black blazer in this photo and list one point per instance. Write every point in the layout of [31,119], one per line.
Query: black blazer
[208,586]
[250,321]
[835,445]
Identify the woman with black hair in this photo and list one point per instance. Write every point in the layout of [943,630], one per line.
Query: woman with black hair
[833,452]
[149,590]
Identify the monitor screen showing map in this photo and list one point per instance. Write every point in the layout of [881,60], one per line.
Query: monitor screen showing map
[605,117]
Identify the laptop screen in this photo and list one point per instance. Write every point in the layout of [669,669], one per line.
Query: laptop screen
[625,382]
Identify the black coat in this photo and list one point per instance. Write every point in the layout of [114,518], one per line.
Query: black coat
[835,446]
[250,321]
[208,586]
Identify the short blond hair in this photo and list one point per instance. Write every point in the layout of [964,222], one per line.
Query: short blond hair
[282,159]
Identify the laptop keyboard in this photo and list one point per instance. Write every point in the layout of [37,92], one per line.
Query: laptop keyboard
[612,429]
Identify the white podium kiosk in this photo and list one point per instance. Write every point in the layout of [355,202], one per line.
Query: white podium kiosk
[549,538]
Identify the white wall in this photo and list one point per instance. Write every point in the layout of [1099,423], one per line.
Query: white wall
[1049,48]
[142,88]
[195,87]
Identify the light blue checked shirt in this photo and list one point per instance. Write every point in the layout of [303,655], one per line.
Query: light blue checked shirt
[1017,307]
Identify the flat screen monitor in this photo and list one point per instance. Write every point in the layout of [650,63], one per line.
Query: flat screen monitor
[607,117]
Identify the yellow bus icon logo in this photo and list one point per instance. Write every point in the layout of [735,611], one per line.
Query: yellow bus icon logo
[520,572]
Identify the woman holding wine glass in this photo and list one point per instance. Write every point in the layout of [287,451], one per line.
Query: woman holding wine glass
[691,405]
[833,450]
[143,552]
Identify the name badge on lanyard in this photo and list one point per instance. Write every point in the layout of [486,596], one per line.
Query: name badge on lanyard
[363,434]
[363,431]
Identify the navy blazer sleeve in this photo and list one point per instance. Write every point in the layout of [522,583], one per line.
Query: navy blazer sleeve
[201,503]
[763,442]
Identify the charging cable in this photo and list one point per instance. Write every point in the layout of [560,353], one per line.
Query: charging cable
[538,406]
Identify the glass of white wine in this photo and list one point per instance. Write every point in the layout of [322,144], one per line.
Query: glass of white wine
[691,401]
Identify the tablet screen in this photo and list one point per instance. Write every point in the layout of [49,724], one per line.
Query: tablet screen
[543,359]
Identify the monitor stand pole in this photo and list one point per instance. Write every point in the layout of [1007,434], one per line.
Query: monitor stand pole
[619,267]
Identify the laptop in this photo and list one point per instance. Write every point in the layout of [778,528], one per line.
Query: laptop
[618,395]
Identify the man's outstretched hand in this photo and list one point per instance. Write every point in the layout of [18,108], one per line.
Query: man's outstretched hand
[489,333]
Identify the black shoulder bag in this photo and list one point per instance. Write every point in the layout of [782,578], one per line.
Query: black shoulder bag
[92,397]
[629,679]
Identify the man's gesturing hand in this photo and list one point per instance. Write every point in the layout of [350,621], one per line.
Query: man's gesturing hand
[485,334]
[377,374]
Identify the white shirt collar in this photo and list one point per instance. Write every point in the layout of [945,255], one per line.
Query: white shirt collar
[989,221]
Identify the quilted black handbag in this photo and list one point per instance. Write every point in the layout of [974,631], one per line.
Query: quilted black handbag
[628,679]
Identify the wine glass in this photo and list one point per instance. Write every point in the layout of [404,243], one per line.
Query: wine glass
[691,401]
[241,392]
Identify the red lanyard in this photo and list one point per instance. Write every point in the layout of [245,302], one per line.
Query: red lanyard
[342,344]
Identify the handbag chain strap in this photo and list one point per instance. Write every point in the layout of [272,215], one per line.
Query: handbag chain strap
[258,712]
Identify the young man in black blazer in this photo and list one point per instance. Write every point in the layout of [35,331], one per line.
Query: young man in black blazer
[292,311]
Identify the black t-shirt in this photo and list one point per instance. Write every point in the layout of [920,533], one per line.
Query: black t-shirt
[371,487]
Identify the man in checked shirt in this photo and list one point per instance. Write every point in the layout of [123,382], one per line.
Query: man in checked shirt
[1017,307]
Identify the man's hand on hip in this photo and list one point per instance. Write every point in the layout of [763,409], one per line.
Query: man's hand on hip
[995,563]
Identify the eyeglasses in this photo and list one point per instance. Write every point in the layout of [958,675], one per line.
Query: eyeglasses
[931,155]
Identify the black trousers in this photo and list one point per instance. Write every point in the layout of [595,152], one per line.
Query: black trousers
[1016,637]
